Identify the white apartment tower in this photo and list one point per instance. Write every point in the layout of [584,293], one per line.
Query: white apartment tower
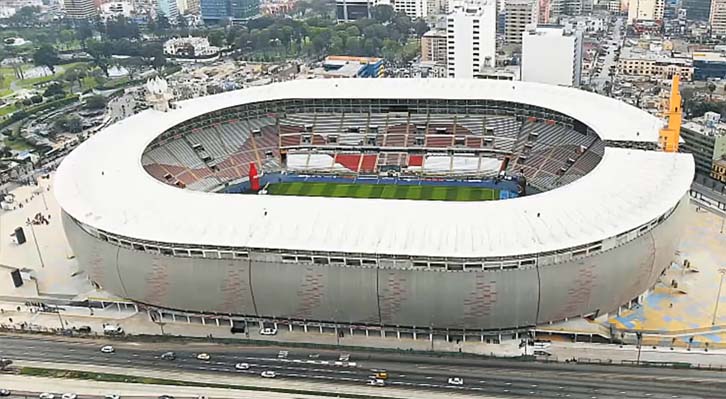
[518,15]
[646,10]
[80,9]
[552,55]
[412,8]
[471,38]
[717,18]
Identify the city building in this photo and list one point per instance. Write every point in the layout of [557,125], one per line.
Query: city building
[80,9]
[437,7]
[279,7]
[412,8]
[560,8]
[337,66]
[433,46]
[645,10]
[697,10]
[661,65]
[216,10]
[190,47]
[585,23]
[543,16]
[471,38]
[192,7]
[717,18]
[518,15]
[709,65]
[552,55]
[705,138]
[718,171]
[351,10]
[169,9]
[115,9]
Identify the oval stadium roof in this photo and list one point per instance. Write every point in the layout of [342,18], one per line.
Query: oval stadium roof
[103,184]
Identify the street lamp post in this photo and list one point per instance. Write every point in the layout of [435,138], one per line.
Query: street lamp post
[37,248]
[42,195]
[721,271]
[639,335]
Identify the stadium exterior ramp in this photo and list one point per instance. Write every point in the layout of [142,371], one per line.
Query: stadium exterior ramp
[584,248]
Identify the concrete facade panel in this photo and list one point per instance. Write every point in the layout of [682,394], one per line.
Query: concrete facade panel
[398,297]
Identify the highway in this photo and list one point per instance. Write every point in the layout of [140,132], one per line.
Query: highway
[481,376]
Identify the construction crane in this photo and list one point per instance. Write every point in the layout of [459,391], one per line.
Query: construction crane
[671,133]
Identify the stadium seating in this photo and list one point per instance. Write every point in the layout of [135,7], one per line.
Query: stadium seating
[547,153]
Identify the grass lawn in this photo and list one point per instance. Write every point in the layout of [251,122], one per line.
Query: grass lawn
[8,109]
[18,144]
[386,191]
[9,76]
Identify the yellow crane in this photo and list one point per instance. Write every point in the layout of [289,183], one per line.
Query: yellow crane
[671,133]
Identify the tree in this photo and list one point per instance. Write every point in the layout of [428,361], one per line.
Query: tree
[100,52]
[383,13]
[711,89]
[55,89]
[95,102]
[420,26]
[159,61]
[121,28]
[216,38]
[70,76]
[162,23]
[84,31]
[46,55]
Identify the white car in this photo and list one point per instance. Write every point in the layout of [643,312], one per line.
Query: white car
[377,382]
[203,356]
[69,396]
[268,331]
[268,374]
[107,349]
[46,395]
[242,366]
[456,381]
[112,396]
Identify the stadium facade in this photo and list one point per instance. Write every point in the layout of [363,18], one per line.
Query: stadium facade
[146,211]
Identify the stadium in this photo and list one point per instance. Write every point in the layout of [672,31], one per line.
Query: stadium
[379,203]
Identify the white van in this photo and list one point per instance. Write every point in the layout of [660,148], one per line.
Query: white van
[112,329]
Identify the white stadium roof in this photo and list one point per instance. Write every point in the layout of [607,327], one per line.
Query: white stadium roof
[103,184]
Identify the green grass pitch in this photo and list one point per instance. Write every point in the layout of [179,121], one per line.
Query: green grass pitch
[387,191]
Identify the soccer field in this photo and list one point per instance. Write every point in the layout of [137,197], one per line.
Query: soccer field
[387,191]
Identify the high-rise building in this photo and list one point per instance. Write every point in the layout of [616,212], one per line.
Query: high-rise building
[558,8]
[645,10]
[351,10]
[519,14]
[192,7]
[544,11]
[169,9]
[717,18]
[697,9]
[412,8]
[433,46]
[471,38]
[80,9]
[552,55]
[215,10]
